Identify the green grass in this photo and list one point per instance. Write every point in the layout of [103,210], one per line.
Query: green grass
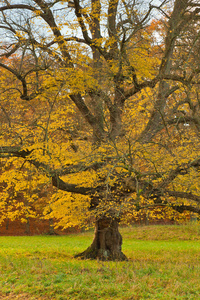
[164,263]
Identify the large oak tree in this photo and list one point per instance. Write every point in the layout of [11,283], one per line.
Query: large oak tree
[126,75]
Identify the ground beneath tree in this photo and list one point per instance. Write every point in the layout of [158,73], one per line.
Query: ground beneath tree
[20,297]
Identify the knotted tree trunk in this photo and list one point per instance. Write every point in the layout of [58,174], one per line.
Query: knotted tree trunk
[107,242]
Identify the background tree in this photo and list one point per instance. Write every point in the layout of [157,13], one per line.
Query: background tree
[131,91]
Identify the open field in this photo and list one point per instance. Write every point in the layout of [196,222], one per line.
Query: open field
[164,263]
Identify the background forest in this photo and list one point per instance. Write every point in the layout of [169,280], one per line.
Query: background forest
[99,110]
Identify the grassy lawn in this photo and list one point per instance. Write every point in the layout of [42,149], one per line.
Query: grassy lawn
[164,263]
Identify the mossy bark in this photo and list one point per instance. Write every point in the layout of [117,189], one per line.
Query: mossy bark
[107,242]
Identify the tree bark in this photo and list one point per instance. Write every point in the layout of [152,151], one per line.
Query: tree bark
[27,228]
[107,242]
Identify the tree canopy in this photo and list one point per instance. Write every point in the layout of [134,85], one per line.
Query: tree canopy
[99,112]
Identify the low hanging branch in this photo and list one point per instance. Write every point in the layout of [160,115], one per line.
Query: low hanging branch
[146,189]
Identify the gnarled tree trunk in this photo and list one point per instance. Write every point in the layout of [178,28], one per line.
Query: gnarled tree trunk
[107,242]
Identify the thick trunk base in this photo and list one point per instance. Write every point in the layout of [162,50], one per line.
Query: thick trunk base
[107,242]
